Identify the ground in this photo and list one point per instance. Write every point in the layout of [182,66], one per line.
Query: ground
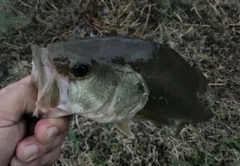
[205,33]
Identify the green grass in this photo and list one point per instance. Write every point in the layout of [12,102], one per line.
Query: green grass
[11,22]
[76,141]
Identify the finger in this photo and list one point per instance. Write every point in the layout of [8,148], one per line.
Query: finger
[47,159]
[26,80]
[51,157]
[30,149]
[47,129]
[18,101]
[16,162]
[9,138]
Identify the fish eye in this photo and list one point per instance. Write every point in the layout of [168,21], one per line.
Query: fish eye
[80,70]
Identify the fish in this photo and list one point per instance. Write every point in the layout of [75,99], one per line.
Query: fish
[119,80]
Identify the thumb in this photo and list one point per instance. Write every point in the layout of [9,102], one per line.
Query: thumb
[16,100]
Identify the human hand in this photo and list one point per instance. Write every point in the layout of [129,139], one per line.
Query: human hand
[17,147]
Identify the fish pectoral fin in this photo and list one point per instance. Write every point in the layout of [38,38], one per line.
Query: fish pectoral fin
[155,120]
[157,124]
[180,126]
[124,127]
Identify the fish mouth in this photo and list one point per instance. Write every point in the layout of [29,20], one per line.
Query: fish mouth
[52,99]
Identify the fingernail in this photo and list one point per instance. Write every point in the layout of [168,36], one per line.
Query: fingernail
[30,151]
[51,133]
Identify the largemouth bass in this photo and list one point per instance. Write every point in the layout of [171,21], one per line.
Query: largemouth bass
[117,80]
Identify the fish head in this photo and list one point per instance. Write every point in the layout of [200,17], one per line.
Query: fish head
[72,78]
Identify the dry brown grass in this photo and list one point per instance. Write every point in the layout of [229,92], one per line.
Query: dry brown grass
[206,33]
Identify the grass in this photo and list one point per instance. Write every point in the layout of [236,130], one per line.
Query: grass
[205,33]
[12,21]
[76,142]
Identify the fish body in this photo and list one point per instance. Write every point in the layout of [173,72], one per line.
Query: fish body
[117,80]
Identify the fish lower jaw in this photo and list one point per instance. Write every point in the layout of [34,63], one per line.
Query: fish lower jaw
[99,115]
[106,113]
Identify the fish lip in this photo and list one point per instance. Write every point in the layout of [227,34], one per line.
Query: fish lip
[43,76]
[54,113]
